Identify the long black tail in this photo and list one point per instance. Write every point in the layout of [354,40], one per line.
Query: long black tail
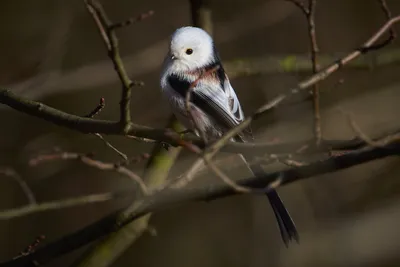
[285,222]
[286,225]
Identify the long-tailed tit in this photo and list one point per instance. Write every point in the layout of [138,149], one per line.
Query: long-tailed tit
[215,107]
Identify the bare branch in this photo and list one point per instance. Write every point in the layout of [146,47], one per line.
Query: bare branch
[55,205]
[31,247]
[92,163]
[392,33]
[301,6]
[107,31]
[354,126]
[109,127]
[314,51]
[130,21]
[98,108]
[171,197]
[220,174]
[201,14]
[121,154]
[309,14]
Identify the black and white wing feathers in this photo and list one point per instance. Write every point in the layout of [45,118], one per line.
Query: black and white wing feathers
[214,95]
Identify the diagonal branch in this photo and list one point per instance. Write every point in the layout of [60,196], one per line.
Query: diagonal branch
[92,163]
[59,204]
[171,197]
[88,125]
[116,150]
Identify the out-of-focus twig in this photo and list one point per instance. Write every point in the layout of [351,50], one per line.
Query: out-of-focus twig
[87,125]
[201,14]
[392,32]
[92,163]
[220,174]
[170,197]
[31,247]
[155,175]
[24,186]
[95,112]
[300,5]
[57,204]
[309,13]
[121,154]
[357,130]
[130,21]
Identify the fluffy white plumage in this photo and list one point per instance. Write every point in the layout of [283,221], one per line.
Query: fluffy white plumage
[216,106]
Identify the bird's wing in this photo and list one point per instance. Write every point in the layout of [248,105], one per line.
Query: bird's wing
[214,95]
[235,107]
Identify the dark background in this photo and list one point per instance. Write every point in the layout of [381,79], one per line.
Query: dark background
[51,51]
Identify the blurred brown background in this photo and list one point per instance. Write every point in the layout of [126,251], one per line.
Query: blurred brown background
[51,51]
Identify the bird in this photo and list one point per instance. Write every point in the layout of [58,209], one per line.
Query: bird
[193,64]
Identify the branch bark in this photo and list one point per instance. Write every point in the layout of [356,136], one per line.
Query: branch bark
[105,252]
[89,125]
[58,204]
[170,197]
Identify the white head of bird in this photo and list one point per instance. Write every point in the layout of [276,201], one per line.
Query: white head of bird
[190,48]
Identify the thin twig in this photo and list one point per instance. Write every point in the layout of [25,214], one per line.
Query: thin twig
[107,31]
[301,6]
[392,32]
[131,21]
[309,14]
[121,154]
[356,128]
[220,174]
[135,159]
[87,125]
[92,163]
[211,150]
[315,68]
[55,205]
[97,109]
[21,182]
[152,135]
[171,197]
[188,145]
[31,247]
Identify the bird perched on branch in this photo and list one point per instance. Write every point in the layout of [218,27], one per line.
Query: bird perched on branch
[192,66]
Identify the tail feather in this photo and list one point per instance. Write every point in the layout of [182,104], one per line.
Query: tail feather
[286,225]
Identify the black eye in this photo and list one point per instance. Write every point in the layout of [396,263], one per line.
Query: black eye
[189,51]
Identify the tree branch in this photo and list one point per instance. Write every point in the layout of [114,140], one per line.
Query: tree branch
[89,125]
[58,204]
[297,63]
[107,31]
[92,163]
[155,174]
[170,197]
